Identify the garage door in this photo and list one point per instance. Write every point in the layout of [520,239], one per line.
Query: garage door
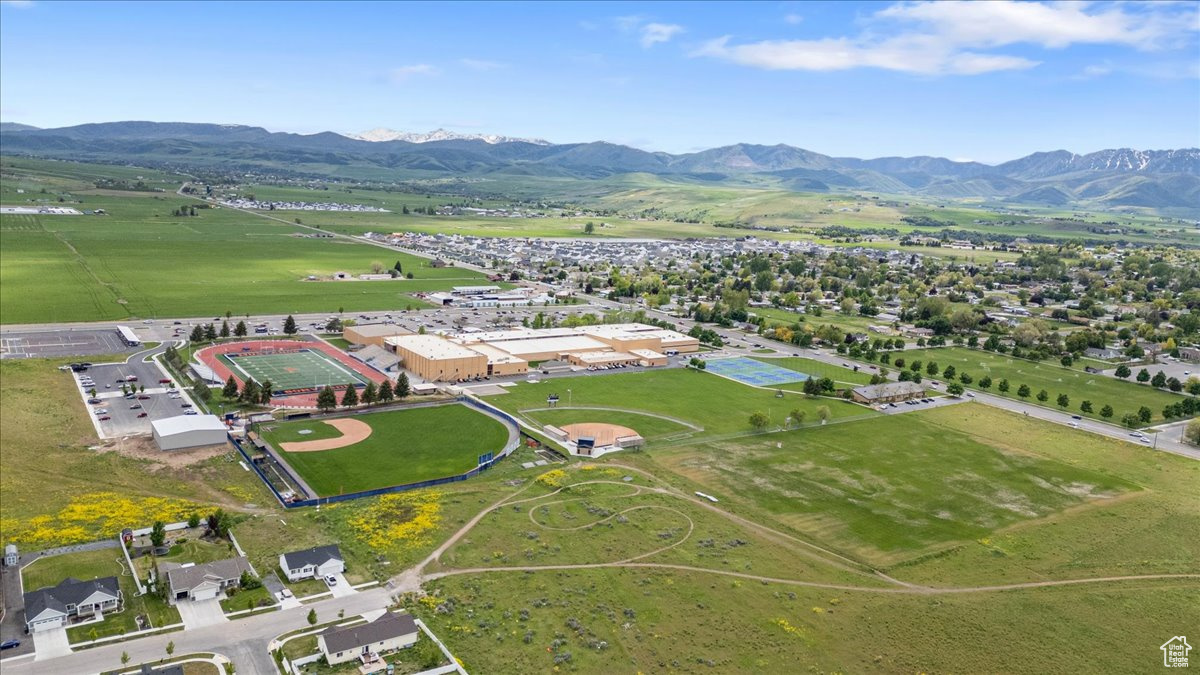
[47,624]
[205,594]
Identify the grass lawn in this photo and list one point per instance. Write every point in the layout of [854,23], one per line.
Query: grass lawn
[191,551]
[888,489]
[815,368]
[49,470]
[718,405]
[243,599]
[1101,390]
[340,343]
[405,446]
[89,565]
[650,428]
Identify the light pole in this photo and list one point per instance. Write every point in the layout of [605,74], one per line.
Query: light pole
[568,398]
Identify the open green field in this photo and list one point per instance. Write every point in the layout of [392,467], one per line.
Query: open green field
[405,446]
[649,427]
[968,497]
[678,621]
[87,565]
[1124,397]
[890,488]
[141,261]
[308,368]
[715,404]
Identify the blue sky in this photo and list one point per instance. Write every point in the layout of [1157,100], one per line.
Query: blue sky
[988,81]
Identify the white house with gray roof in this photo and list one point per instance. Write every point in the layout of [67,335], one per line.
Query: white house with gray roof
[206,581]
[318,561]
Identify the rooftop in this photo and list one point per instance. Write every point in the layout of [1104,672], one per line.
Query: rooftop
[387,626]
[184,423]
[432,347]
[889,389]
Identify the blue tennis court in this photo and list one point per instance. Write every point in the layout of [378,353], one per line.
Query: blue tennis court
[755,373]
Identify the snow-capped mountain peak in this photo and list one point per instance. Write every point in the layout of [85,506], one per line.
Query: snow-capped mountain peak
[381,134]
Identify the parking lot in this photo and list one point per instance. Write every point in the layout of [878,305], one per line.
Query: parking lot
[125,415]
[919,404]
[73,342]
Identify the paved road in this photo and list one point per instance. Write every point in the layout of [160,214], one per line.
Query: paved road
[243,641]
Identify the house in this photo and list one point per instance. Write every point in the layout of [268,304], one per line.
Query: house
[50,607]
[11,557]
[1103,354]
[206,581]
[388,632]
[887,392]
[1189,354]
[318,561]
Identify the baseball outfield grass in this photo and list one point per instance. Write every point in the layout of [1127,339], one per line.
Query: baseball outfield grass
[405,446]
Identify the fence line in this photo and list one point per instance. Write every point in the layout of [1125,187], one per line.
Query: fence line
[482,407]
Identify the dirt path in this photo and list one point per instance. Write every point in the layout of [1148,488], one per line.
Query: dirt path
[413,578]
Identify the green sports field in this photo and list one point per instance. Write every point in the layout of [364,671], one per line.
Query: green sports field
[405,446]
[1124,397]
[715,404]
[304,369]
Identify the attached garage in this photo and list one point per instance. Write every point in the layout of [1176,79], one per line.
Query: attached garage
[49,619]
[188,431]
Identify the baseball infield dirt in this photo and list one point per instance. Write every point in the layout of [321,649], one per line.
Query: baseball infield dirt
[353,431]
[605,434]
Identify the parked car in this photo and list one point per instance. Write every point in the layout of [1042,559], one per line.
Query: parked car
[104,418]
[10,644]
[101,411]
[142,414]
[164,381]
[136,406]
[331,580]
[94,401]
[144,397]
[190,412]
[185,405]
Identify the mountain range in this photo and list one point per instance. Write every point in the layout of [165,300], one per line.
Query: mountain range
[381,135]
[1160,179]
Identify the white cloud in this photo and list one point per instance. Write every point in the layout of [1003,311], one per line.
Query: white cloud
[482,65]
[793,19]
[403,73]
[654,33]
[17,4]
[900,54]
[952,38]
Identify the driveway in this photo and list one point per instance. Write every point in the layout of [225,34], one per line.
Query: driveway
[342,588]
[197,614]
[51,643]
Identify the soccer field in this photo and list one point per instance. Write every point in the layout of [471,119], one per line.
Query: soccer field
[304,369]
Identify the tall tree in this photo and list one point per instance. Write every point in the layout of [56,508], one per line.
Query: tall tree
[289,325]
[401,390]
[210,332]
[326,400]
[231,388]
[759,420]
[369,394]
[225,329]
[385,394]
[158,533]
[250,392]
[264,394]
[197,334]
[350,398]
[240,329]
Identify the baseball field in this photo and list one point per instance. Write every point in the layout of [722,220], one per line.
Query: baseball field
[364,452]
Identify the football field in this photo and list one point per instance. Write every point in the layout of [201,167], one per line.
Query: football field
[303,369]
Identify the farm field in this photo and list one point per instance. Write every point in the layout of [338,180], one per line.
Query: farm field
[140,261]
[1101,390]
[889,489]
[717,405]
[405,446]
